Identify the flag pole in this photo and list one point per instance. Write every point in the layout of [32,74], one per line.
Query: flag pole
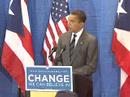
[19,92]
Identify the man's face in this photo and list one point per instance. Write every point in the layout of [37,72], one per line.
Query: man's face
[74,24]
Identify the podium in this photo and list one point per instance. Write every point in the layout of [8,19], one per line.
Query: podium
[51,94]
[54,81]
[40,94]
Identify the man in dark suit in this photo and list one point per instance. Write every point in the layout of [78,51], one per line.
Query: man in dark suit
[79,49]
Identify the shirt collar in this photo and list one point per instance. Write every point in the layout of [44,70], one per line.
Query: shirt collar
[78,34]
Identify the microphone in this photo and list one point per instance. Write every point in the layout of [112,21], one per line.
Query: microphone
[59,57]
[62,50]
[52,51]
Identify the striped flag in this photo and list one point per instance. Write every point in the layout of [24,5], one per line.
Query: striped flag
[56,26]
[121,45]
[17,48]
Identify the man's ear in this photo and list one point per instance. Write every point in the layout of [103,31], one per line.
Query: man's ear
[82,24]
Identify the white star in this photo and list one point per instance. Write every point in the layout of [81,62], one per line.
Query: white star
[60,15]
[10,11]
[55,19]
[60,9]
[61,4]
[57,3]
[65,11]
[56,8]
[120,9]
[56,14]
[53,7]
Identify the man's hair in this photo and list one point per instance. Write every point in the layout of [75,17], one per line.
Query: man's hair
[80,14]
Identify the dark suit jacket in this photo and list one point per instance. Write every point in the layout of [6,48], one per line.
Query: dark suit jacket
[85,55]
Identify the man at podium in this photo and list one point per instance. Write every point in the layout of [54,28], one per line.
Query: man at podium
[79,49]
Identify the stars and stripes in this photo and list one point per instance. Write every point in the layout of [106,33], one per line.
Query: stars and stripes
[56,26]
[121,45]
[17,48]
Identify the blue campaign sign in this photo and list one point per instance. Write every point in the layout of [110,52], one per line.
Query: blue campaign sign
[54,78]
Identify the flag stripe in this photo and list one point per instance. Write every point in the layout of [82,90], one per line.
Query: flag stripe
[47,47]
[58,30]
[27,37]
[16,71]
[49,40]
[25,13]
[17,49]
[65,23]
[54,29]
[122,54]
[121,45]
[48,43]
[27,30]
[124,76]
[61,26]
[16,46]
[125,90]
[123,37]
[57,25]
[25,1]
[52,34]
[47,54]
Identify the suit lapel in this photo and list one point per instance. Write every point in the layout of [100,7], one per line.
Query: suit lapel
[68,47]
[68,39]
[78,46]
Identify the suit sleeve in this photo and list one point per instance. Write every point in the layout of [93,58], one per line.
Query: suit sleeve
[58,59]
[91,59]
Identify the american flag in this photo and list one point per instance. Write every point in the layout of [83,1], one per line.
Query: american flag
[121,45]
[17,48]
[56,26]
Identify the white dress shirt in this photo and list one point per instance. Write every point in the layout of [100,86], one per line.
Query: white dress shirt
[78,34]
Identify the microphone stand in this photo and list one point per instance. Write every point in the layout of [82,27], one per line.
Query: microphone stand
[52,51]
[59,58]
